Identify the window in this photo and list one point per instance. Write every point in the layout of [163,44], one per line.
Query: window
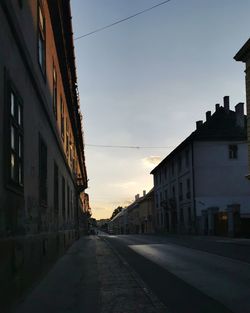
[181,215]
[71,151]
[15,134]
[56,209]
[157,200]
[179,163]
[68,202]
[189,215]
[62,120]
[41,39]
[74,161]
[72,204]
[20,2]
[63,197]
[43,190]
[173,191]
[233,151]
[156,179]
[188,189]
[54,91]
[180,192]
[172,168]
[187,158]
[166,195]
[165,172]
[67,137]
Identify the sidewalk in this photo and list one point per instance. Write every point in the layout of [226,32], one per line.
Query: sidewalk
[90,278]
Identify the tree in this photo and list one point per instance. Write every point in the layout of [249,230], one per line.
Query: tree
[116,211]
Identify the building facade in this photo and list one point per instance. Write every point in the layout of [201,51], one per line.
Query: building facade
[200,186]
[84,213]
[244,56]
[137,218]
[42,163]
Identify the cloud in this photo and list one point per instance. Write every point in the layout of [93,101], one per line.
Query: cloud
[151,161]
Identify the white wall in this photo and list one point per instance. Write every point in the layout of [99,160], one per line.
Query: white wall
[220,181]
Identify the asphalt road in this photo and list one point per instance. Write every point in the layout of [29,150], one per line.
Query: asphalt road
[191,274]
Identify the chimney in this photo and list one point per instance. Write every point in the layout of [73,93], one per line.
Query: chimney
[226,103]
[199,124]
[217,106]
[239,110]
[208,115]
[137,196]
[144,193]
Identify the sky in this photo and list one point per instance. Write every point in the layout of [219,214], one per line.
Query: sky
[146,81]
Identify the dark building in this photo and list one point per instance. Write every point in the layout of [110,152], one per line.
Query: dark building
[243,55]
[200,186]
[42,163]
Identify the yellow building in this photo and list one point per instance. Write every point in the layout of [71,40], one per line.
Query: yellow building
[42,162]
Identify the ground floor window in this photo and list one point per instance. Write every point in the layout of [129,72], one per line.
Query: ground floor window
[15,133]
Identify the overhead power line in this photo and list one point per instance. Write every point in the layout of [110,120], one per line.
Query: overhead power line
[126,147]
[122,20]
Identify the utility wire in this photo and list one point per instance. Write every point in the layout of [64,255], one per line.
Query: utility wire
[122,20]
[126,147]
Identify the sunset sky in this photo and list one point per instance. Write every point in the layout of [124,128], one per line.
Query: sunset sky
[145,82]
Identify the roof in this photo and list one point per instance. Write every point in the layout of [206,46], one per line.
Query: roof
[244,53]
[221,126]
[122,212]
[133,205]
[139,200]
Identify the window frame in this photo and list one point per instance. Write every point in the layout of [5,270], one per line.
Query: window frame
[233,152]
[41,34]
[12,122]
[62,119]
[55,91]
[63,199]
[43,201]
[56,189]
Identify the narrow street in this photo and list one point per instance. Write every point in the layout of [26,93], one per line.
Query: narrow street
[150,274]
[191,274]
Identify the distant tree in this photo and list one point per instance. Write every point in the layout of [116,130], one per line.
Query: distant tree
[93,222]
[116,211]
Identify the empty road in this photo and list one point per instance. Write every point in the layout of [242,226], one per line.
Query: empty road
[191,274]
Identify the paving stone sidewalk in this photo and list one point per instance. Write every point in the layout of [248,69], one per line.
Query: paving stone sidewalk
[122,291]
[91,278]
